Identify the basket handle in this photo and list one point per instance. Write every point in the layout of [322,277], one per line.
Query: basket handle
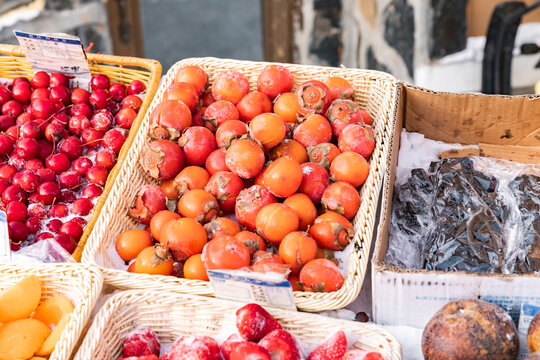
[153,65]
[13,50]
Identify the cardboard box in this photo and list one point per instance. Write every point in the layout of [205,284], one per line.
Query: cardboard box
[479,15]
[505,127]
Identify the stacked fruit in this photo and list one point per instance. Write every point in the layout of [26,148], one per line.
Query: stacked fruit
[58,146]
[28,327]
[251,187]
[258,336]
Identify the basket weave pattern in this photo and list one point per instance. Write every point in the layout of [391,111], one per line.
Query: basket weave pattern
[376,92]
[172,315]
[120,69]
[80,283]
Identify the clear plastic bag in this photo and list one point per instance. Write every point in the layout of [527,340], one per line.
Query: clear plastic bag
[474,214]
[44,251]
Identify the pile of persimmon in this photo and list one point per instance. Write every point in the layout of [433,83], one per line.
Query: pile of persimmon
[266,179]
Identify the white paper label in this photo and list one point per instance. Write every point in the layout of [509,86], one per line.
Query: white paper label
[5,248]
[246,287]
[528,310]
[59,53]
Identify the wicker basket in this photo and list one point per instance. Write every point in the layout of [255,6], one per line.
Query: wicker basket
[121,69]
[375,91]
[172,315]
[80,283]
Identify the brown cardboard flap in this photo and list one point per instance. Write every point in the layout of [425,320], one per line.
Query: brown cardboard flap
[521,154]
[472,119]
[463,152]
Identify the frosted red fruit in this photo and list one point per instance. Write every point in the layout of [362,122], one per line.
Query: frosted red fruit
[230,85]
[228,131]
[254,322]
[114,139]
[102,120]
[274,80]
[245,158]
[219,112]
[359,138]
[70,180]
[81,206]
[225,186]
[228,345]
[68,196]
[216,162]
[248,204]
[345,112]
[281,345]
[197,142]
[66,241]
[360,354]
[91,191]
[315,180]
[332,348]
[58,211]
[249,350]
[148,200]
[323,154]
[141,342]
[144,357]
[198,347]
[162,159]
[342,198]
[169,119]
[312,97]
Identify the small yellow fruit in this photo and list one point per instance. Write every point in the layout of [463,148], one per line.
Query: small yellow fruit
[52,310]
[20,300]
[20,339]
[50,342]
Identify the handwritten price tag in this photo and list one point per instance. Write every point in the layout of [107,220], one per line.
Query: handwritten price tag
[252,287]
[60,53]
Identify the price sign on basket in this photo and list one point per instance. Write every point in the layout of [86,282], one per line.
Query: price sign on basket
[61,53]
[252,287]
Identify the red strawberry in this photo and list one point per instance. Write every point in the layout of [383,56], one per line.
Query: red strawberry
[227,346]
[198,347]
[332,349]
[141,342]
[281,345]
[143,357]
[253,322]
[249,351]
[359,354]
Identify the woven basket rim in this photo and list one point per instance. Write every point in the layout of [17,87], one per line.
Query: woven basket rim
[125,298]
[331,69]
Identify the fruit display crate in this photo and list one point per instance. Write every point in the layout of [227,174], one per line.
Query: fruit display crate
[376,92]
[120,69]
[172,315]
[79,283]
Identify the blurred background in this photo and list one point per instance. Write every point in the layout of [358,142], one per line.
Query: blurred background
[438,44]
